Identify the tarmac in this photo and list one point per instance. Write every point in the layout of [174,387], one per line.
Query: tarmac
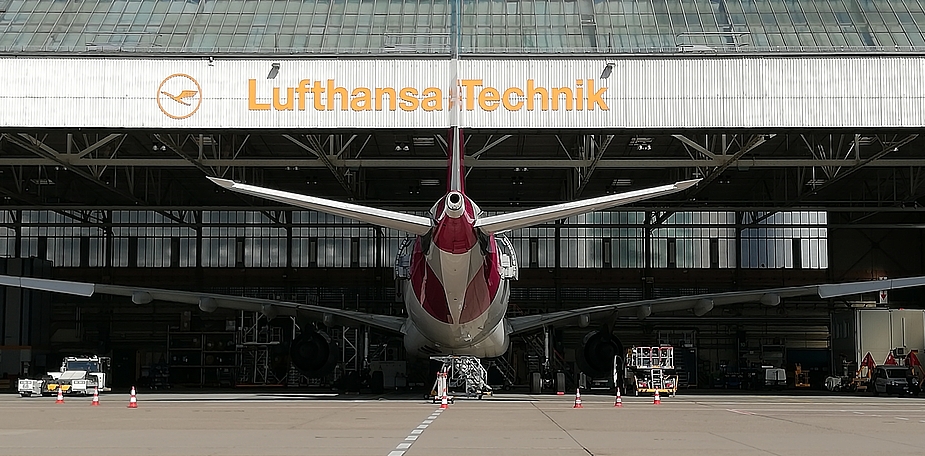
[295,423]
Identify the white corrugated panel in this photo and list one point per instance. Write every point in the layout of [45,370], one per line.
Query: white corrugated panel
[760,92]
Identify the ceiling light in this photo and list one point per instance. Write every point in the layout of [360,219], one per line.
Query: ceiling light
[622,182]
[430,182]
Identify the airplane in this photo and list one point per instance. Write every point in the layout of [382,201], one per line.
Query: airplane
[183,95]
[455,278]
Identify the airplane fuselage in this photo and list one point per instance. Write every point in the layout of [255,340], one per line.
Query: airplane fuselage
[456,290]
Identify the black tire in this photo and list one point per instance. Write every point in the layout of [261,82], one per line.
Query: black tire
[560,381]
[536,383]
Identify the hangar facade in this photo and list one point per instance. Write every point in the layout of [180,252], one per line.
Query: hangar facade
[802,119]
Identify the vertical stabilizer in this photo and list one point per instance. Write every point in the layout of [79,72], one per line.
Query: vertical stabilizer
[456,172]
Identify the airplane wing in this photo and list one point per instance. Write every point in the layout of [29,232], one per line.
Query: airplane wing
[208,302]
[389,219]
[703,303]
[530,217]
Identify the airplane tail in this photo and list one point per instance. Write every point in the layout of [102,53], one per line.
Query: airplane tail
[455,170]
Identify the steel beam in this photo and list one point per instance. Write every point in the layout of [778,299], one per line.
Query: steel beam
[693,145]
[594,165]
[38,147]
[326,162]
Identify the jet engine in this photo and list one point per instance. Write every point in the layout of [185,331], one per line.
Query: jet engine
[313,353]
[596,357]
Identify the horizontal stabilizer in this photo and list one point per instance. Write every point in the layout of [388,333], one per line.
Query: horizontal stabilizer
[381,217]
[531,217]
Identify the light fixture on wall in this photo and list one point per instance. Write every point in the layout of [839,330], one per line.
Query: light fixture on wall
[274,70]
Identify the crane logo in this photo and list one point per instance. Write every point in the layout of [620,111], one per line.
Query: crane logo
[179,96]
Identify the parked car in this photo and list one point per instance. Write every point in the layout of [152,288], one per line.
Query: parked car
[894,380]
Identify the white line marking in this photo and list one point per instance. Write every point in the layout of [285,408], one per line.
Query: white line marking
[399,450]
[858,413]
[739,412]
[901,418]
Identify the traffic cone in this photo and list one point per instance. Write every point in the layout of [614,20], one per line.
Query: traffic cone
[60,399]
[619,401]
[577,398]
[443,400]
[657,400]
[133,402]
[96,397]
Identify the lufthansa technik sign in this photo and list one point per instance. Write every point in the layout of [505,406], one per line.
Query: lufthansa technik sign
[328,95]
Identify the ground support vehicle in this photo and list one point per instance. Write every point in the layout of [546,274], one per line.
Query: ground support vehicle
[29,387]
[650,369]
[464,376]
[78,375]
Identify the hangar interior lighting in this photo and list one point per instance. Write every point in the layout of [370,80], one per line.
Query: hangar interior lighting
[430,182]
[422,141]
[641,143]
[274,71]
[622,182]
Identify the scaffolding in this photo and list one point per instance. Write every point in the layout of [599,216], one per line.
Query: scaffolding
[257,342]
[466,377]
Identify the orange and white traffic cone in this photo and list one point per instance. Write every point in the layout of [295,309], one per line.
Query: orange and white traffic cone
[618,402]
[657,400]
[60,399]
[96,397]
[133,402]
[444,402]
[577,398]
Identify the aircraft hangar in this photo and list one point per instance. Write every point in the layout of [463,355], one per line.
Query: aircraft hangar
[802,119]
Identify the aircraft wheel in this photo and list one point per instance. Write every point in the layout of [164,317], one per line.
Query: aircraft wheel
[560,381]
[536,383]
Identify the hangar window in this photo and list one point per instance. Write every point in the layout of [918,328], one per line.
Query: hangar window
[785,240]
[693,240]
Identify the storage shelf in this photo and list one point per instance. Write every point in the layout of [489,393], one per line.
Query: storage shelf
[193,347]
